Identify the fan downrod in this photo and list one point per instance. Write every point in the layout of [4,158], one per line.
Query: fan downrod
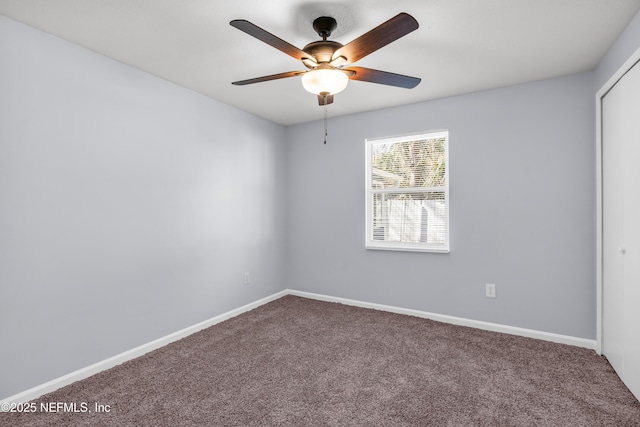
[324,26]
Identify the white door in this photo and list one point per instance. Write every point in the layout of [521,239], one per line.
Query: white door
[621,228]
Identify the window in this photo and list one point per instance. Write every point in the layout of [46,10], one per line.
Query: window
[408,192]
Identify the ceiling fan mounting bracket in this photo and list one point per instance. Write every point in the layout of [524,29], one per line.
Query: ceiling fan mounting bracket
[324,26]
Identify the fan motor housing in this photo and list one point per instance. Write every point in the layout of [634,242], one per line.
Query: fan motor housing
[322,51]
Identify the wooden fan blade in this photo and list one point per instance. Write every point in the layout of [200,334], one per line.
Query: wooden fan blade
[383,77]
[396,27]
[267,78]
[270,39]
[325,99]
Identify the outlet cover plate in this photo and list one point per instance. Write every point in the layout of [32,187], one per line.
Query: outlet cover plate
[490,290]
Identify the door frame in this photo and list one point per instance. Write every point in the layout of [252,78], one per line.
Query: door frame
[629,63]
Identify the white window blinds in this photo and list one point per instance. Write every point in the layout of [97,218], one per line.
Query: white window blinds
[407,186]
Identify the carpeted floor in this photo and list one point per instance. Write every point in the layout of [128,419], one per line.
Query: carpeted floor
[301,362]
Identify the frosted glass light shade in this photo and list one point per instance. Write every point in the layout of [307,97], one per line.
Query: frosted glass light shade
[323,80]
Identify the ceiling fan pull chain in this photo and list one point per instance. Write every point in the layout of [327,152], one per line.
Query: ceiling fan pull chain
[325,122]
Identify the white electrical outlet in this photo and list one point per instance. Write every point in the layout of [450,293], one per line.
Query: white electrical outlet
[246,278]
[490,290]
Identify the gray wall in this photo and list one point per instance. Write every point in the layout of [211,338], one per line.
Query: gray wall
[522,209]
[129,207]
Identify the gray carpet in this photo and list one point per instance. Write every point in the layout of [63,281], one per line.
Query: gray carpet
[300,362]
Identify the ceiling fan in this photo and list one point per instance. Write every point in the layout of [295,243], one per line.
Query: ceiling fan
[327,61]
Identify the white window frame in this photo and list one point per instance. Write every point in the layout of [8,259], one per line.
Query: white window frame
[370,242]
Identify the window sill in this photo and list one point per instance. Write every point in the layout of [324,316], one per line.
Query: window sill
[407,249]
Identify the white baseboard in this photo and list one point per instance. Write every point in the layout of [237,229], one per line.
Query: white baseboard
[80,374]
[487,326]
[48,387]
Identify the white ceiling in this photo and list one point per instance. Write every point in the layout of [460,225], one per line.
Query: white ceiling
[461,46]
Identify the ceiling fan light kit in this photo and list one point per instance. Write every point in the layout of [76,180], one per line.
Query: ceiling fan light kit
[325,80]
[327,61]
